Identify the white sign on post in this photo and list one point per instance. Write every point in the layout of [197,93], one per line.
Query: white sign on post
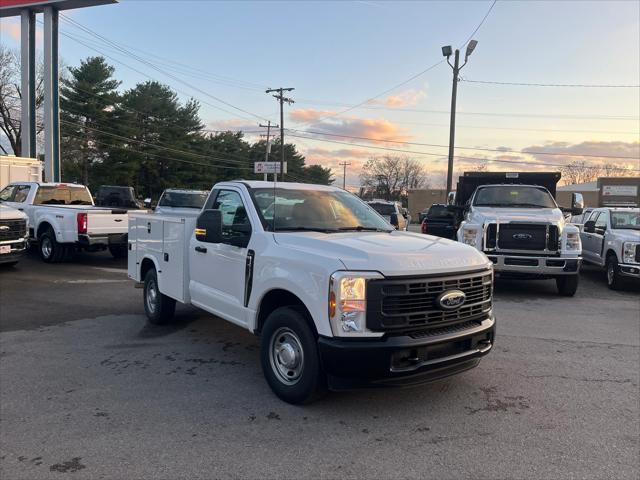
[621,190]
[268,167]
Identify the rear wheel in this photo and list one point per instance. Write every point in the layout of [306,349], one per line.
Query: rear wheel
[567,285]
[614,278]
[290,358]
[50,250]
[118,251]
[158,307]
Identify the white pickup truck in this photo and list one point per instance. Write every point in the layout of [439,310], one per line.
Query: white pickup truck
[62,218]
[514,219]
[14,236]
[338,296]
[611,239]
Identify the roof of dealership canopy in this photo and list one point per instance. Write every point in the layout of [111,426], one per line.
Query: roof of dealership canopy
[10,8]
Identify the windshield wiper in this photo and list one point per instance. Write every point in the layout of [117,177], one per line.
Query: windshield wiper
[360,228]
[304,229]
[528,205]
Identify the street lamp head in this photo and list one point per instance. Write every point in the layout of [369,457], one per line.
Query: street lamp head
[447,51]
[471,46]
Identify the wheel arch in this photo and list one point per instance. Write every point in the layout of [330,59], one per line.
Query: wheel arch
[277,298]
[147,264]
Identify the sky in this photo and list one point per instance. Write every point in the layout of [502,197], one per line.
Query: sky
[338,55]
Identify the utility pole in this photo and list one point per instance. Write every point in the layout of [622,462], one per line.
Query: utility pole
[268,148]
[446,52]
[282,99]
[344,166]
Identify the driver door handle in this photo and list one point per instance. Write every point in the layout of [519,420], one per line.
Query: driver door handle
[201,249]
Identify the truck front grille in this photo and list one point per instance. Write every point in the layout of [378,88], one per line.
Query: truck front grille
[12,230]
[407,303]
[522,236]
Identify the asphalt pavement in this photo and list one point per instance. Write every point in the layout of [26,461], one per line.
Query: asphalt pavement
[89,390]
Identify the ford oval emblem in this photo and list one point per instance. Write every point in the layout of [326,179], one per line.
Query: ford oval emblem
[451,299]
[522,236]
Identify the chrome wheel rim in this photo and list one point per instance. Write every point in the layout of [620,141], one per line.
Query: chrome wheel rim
[46,247]
[152,296]
[286,356]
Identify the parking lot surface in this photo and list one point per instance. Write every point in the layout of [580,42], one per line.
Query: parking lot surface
[89,390]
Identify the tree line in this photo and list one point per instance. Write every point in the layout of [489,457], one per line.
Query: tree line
[145,136]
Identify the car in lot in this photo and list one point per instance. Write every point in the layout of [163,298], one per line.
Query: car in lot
[14,234]
[63,218]
[439,221]
[392,212]
[115,196]
[338,297]
[611,239]
[175,201]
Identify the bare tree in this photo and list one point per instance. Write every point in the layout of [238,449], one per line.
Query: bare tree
[580,172]
[391,176]
[10,100]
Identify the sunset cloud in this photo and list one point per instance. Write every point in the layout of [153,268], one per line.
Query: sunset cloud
[571,152]
[408,98]
[309,115]
[10,28]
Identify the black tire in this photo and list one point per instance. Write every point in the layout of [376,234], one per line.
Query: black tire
[289,357]
[50,250]
[118,251]
[613,276]
[158,307]
[567,285]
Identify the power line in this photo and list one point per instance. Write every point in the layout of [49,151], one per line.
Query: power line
[398,85]
[501,150]
[576,85]
[155,67]
[443,156]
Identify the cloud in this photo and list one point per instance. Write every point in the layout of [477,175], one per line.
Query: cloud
[309,115]
[408,98]
[597,153]
[10,28]
[233,124]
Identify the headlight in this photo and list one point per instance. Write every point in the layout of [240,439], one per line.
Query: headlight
[348,303]
[573,241]
[629,252]
[470,236]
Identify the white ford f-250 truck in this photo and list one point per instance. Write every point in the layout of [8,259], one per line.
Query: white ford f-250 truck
[514,219]
[611,239]
[14,236]
[338,296]
[62,218]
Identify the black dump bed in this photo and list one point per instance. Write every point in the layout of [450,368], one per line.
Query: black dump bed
[469,181]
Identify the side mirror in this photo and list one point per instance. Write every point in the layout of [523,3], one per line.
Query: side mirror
[393,219]
[577,204]
[147,203]
[209,226]
[451,198]
[589,227]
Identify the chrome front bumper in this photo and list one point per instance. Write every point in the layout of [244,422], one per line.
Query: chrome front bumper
[630,269]
[534,265]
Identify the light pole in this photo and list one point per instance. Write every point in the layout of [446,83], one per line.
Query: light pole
[446,52]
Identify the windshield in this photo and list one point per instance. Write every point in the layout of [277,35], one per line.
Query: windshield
[317,210]
[385,209]
[439,211]
[625,220]
[183,199]
[514,196]
[63,195]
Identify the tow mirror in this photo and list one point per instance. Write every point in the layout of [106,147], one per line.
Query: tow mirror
[209,227]
[147,203]
[577,204]
[589,227]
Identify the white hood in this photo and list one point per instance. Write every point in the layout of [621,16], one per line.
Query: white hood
[627,235]
[8,213]
[392,254]
[482,215]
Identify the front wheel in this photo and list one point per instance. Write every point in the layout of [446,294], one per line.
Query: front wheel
[290,358]
[567,285]
[158,307]
[614,278]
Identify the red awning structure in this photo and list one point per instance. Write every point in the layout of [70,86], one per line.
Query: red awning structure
[11,8]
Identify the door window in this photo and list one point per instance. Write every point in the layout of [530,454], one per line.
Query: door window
[601,222]
[594,216]
[7,193]
[235,221]
[22,192]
